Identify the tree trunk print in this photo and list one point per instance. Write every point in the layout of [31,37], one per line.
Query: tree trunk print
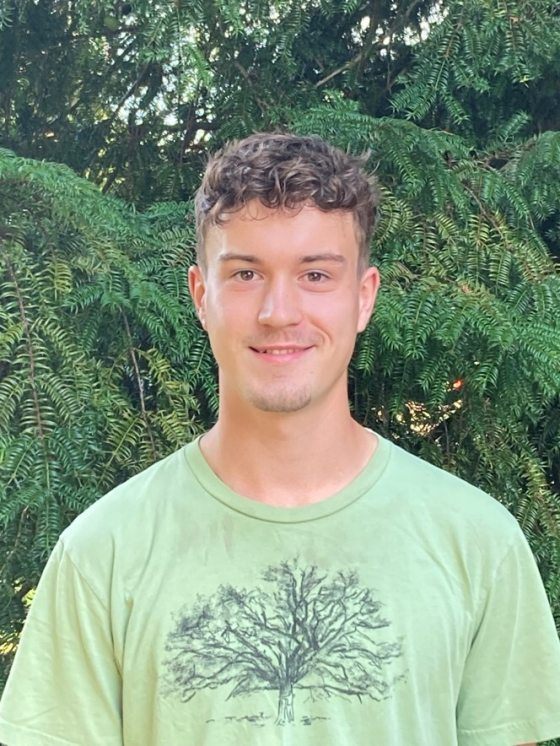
[285,705]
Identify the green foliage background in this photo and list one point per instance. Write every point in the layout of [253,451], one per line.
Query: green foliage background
[102,366]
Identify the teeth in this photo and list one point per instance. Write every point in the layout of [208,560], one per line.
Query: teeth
[279,352]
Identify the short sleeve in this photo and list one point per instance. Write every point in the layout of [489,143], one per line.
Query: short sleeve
[510,692]
[64,688]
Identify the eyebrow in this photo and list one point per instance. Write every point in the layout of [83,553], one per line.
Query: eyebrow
[326,257]
[231,257]
[307,259]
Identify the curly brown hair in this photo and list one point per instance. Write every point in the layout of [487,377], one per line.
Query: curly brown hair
[286,171]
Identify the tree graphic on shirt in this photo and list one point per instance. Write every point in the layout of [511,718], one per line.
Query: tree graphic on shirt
[307,631]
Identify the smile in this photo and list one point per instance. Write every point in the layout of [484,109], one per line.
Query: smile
[286,351]
[281,353]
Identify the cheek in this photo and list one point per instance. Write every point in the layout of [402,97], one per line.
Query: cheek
[227,314]
[338,312]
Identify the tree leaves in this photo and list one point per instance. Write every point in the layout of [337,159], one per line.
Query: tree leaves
[94,349]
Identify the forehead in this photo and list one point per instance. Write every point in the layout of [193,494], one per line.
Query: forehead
[278,232]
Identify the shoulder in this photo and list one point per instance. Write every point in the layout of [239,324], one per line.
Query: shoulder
[450,505]
[433,487]
[132,513]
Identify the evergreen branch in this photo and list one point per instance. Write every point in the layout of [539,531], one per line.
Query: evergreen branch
[30,349]
[16,544]
[139,384]
[122,101]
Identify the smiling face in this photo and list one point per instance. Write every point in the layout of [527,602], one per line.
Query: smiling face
[282,300]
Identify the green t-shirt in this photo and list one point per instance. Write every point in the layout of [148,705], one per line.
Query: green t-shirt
[406,610]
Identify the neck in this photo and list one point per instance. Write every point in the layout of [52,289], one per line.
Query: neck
[287,459]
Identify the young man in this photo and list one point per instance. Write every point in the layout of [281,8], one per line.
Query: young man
[290,577]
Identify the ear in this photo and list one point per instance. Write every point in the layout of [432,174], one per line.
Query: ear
[369,285]
[197,288]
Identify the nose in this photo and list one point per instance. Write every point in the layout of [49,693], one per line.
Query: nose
[280,305]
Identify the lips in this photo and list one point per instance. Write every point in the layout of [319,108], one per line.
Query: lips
[280,353]
[279,350]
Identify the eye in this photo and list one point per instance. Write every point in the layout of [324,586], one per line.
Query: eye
[245,275]
[315,276]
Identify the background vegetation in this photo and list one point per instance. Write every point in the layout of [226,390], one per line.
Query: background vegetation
[102,366]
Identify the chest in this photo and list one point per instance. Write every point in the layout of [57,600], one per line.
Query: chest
[240,627]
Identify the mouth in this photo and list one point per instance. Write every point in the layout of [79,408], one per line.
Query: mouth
[278,350]
[280,353]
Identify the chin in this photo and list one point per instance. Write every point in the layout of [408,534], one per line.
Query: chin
[284,401]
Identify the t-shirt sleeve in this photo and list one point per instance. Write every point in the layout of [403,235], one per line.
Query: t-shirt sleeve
[64,688]
[511,684]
